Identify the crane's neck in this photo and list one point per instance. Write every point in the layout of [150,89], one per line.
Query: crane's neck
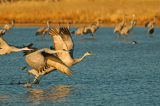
[154,19]
[80,59]
[123,20]
[98,22]
[133,22]
[18,50]
[12,23]
[68,26]
[48,24]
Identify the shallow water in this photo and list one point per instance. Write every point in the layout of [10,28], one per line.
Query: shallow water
[119,74]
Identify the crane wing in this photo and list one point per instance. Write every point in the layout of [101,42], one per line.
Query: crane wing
[55,62]
[37,60]
[3,43]
[59,44]
[66,36]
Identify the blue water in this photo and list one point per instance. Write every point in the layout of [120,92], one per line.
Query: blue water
[120,74]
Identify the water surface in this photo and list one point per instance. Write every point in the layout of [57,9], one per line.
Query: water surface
[119,74]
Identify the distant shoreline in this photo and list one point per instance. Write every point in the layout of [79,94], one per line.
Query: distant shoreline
[72,25]
[79,13]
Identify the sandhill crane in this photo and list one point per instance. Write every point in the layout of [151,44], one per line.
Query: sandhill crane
[87,30]
[127,27]
[95,27]
[60,62]
[65,42]
[120,25]
[68,25]
[150,25]
[80,31]
[5,48]
[9,26]
[42,31]
[150,30]
[2,32]
[37,60]
[43,62]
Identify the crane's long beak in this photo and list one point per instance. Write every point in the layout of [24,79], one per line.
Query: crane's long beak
[93,54]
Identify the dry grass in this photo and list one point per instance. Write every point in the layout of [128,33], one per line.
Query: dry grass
[79,11]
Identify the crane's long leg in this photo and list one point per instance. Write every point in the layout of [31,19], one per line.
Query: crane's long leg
[126,37]
[92,36]
[28,77]
[119,36]
[36,81]
[81,36]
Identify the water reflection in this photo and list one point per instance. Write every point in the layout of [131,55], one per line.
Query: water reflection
[54,94]
[4,97]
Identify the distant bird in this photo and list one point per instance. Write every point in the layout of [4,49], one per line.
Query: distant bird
[150,30]
[150,25]
[43,30]
[120,25]
[5,48]
[95,27]
[68,25]
[128,27]
[87,30]
[65,42]
[134,42]
[2,32]
[9,26]
[43,62]
[80,31]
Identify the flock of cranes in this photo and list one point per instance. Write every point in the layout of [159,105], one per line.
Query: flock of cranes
[124,28]
[46,60]
[88,30]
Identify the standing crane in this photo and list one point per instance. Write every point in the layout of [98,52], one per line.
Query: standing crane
[120,25]
[128,27]
[43,30]
[2,32]
[87,30]
[9,26]
[150,25]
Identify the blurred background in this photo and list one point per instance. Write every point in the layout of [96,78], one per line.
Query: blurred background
[77,12]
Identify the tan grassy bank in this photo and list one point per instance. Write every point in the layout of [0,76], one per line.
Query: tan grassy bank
[79,12]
